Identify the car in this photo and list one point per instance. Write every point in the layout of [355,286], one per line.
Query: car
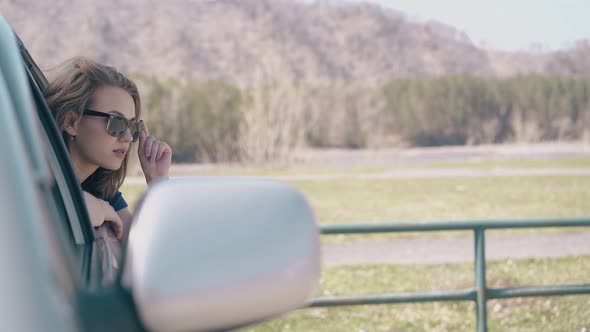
[203,253]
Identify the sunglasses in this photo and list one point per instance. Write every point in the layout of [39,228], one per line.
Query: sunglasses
[118,124]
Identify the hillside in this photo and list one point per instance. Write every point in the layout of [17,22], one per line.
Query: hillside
[249,40]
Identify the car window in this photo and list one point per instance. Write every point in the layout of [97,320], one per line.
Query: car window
[96,251]
[66,220]
[64,196]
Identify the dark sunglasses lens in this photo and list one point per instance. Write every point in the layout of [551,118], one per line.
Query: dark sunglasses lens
[116,126]
[135,130]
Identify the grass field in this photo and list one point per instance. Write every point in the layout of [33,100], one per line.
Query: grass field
[394,199]
[372,200]
[446,198]
[572,163]
[568,313]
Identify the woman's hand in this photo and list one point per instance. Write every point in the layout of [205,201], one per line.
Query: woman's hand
[101,211]
[155,157]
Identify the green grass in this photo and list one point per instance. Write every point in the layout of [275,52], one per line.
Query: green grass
[398,199]
[183,170]
[377,200]
[361,200]
[371,200]
[567,313]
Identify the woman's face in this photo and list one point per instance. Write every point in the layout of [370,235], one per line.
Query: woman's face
[93,145]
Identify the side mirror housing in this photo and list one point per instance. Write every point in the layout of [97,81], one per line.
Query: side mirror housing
[211,253]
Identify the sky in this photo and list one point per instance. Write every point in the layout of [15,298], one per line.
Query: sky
[505,24]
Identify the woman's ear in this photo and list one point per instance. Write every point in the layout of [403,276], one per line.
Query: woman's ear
[71,124]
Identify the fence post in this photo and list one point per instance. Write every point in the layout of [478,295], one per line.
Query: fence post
[480,279]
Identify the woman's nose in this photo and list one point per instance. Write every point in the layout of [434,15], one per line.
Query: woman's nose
[126,137]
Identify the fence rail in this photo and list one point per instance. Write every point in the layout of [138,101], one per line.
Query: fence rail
[480,294]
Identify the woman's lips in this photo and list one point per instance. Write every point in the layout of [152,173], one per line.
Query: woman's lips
[119,153]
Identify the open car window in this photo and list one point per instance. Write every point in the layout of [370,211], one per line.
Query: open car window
[96,251]
[67,199]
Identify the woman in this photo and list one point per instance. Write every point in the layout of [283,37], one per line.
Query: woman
[97,110]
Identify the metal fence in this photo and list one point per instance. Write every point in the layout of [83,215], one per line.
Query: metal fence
[480,293]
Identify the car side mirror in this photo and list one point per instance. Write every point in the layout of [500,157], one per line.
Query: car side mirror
[211,253]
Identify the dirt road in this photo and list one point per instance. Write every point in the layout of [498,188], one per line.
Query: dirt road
[431,250]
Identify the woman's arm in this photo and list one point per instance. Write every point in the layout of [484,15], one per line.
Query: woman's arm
[100,211]
[126,217]
[155,158]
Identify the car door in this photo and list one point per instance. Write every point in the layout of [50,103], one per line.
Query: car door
[67,192]
[40,277]
[53,263]
[98,250]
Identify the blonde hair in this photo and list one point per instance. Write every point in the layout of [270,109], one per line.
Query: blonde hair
[72,90]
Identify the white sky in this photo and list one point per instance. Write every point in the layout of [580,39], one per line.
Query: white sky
[505,24]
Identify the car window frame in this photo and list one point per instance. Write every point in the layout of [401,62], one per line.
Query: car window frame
[69,187]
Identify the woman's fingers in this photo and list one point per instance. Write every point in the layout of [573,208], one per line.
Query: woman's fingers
[100,211]
[154,152]
[116,221]
[161,149]
[151,148]
[154,149]
[142,138]
[148,146]
[118,229]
